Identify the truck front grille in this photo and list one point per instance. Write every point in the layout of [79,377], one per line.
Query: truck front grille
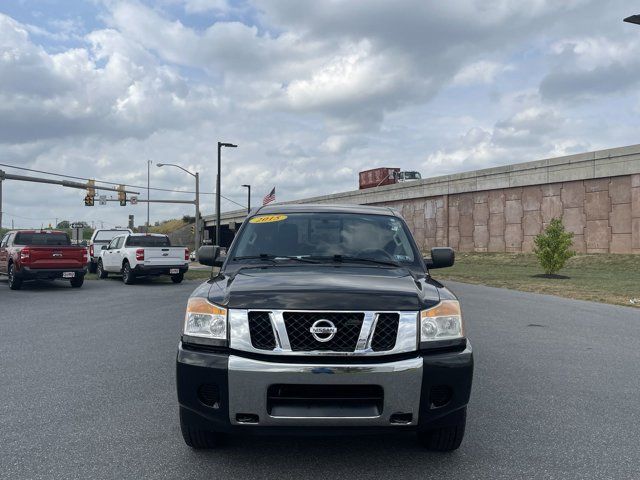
[261,331]
[386,332]
[347,326]
[298,325]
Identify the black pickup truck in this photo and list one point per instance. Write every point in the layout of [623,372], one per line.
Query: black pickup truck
[323,319]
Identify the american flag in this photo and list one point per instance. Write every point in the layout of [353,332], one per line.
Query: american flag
[271,197]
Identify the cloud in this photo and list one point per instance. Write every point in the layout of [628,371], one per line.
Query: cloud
[313,92]
[591,66]
[482,71]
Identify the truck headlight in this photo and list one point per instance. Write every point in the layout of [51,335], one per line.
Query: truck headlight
[442,322]
[204,319]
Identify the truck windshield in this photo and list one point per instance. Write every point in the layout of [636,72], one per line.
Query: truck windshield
[105,236]
[148,241]
[330,235]
[42,238]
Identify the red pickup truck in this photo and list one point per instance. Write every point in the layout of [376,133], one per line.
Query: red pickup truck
[41,254]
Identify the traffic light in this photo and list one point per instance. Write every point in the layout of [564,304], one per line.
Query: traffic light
[91,187]
[122,196]
[91,193]
[193,229]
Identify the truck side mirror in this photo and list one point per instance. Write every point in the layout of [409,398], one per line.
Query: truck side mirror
[104,247]
[441,257]
[211,255]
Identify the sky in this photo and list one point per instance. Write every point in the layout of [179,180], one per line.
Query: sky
[311,91]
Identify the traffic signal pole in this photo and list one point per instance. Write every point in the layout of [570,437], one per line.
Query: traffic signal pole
[64,183]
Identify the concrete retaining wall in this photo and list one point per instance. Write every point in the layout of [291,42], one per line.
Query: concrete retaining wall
[502,209]
[603,214]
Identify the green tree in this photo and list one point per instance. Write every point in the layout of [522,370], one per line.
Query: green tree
[553,247]
[63,224]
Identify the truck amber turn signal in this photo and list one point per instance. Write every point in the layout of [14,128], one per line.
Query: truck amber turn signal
[442,322]
[204,319]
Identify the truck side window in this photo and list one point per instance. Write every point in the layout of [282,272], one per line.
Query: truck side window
[112,244]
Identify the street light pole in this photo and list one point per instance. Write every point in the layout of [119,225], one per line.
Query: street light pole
[149,162]
[196,240]
[248,198]
[220,145]
[1,179]
[197,201]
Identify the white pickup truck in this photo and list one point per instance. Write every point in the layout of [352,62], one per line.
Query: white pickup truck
[142,254]
[99,238]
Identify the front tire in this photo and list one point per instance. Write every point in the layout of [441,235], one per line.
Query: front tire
[177,278]
[14,283]
[444,439]
[100,271]
[197,438]
[77,282]
[128,277]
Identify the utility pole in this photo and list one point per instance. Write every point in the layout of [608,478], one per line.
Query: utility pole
[220,145]
[248,198]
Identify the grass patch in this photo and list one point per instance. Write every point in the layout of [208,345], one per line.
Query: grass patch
[168,226]
[601,278]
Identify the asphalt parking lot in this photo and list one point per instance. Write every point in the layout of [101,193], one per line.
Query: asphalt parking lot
[88,391]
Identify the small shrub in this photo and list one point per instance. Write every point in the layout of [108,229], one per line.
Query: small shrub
[553,247]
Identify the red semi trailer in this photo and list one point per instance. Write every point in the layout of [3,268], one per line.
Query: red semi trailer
[386,176]
[378,176]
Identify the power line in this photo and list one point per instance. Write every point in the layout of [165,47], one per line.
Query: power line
[25,218]
[115,183]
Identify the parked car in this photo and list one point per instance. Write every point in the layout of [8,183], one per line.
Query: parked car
[41,254]
[142,254]
[99,238]
[324,318]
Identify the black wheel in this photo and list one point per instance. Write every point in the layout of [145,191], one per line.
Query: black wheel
[100,271]
[198,438]
[14,282]
[92,267]
[177,278]
[128,277]
[77,281]
[444,439]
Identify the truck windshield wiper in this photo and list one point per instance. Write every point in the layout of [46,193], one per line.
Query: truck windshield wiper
[273,258]
[350,258]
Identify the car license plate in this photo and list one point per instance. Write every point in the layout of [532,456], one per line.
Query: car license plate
[68,274]
[174,271]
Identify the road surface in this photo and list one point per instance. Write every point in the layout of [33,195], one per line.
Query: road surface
[87,390]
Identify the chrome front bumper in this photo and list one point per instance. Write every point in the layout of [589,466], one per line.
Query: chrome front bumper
[249,381]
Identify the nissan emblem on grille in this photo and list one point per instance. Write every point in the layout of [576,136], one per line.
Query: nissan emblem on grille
[323,330]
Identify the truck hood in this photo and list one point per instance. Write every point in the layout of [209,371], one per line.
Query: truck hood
[323,288]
